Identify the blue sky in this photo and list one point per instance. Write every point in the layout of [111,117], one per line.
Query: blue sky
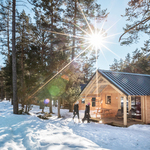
[116,9]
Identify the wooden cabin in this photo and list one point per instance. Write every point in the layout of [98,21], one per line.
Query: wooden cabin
[118,95]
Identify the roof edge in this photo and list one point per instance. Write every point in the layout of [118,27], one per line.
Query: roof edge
[125,72]
[116,85]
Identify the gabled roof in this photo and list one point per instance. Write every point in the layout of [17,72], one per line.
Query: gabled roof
[128,83]
[82,86]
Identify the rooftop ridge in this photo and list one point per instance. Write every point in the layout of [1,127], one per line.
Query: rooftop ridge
[124,72]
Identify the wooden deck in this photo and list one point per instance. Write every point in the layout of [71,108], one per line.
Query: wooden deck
[116,121]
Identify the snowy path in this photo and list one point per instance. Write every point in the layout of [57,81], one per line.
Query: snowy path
[28,132]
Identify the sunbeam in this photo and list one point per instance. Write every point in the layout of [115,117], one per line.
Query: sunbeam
[112,35]
[85,18]
[110,50]
[80,28]
[112,26]
[103,55]
[110,42]
[80,37]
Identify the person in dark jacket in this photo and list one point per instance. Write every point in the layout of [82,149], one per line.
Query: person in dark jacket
[87,113]
[76,110]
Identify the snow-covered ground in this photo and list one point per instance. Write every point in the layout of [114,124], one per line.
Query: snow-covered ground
[28,132]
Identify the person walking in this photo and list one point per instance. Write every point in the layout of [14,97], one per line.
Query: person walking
[76,110]
[87,113]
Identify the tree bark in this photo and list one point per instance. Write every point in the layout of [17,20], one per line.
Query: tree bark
[15,102]
[8,55]
[70,107]
[42,55]
[74,30]
[50,106]
[52,22]
[22,67]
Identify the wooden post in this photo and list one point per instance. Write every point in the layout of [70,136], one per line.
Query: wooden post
[145,109]
[129,103]
[124,111]
[142,109]
[119,101]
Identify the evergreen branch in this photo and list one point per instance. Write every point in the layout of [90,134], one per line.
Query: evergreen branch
[145,20]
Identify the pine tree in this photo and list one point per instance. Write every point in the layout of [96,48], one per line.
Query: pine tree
[5,12]
[115,65]
[14,74]
[137,15]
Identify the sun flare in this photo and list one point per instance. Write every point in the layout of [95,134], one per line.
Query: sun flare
[96,40]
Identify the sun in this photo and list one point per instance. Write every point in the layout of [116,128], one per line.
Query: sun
[96,39]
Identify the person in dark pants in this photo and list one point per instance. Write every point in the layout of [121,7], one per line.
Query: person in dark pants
[87,113]
[76,110]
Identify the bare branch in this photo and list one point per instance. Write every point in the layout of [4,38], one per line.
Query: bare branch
[31,3]
[145,20]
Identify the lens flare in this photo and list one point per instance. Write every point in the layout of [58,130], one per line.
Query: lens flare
[46,101]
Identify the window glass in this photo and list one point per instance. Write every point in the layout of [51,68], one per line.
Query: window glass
[83,100]
[108,99]
[93,101]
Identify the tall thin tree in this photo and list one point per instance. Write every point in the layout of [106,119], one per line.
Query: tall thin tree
[14,74]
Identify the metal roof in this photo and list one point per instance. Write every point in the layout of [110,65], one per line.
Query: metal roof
[82,86]
[128,83]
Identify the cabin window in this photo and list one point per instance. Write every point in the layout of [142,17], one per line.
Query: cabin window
[93,101]
[83,100]
[108,99]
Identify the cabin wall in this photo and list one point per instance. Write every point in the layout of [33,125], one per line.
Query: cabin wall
[81,105]
[147,105]
[101,99]
[88,99]
[115,100]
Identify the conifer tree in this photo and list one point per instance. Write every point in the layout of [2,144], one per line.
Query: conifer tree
[5,19]
[14,74]
[138,18]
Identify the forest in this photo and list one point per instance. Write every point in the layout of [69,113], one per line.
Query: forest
[46,55]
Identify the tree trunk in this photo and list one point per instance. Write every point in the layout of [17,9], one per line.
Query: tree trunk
[52,22]
[8,55]
[26,109]
[15,102]
[70,107]
[22,67]
[74,30]
[42,55]
[1,91]
[59,116]
[50,106]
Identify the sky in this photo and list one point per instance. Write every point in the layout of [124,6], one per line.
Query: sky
[116,8]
